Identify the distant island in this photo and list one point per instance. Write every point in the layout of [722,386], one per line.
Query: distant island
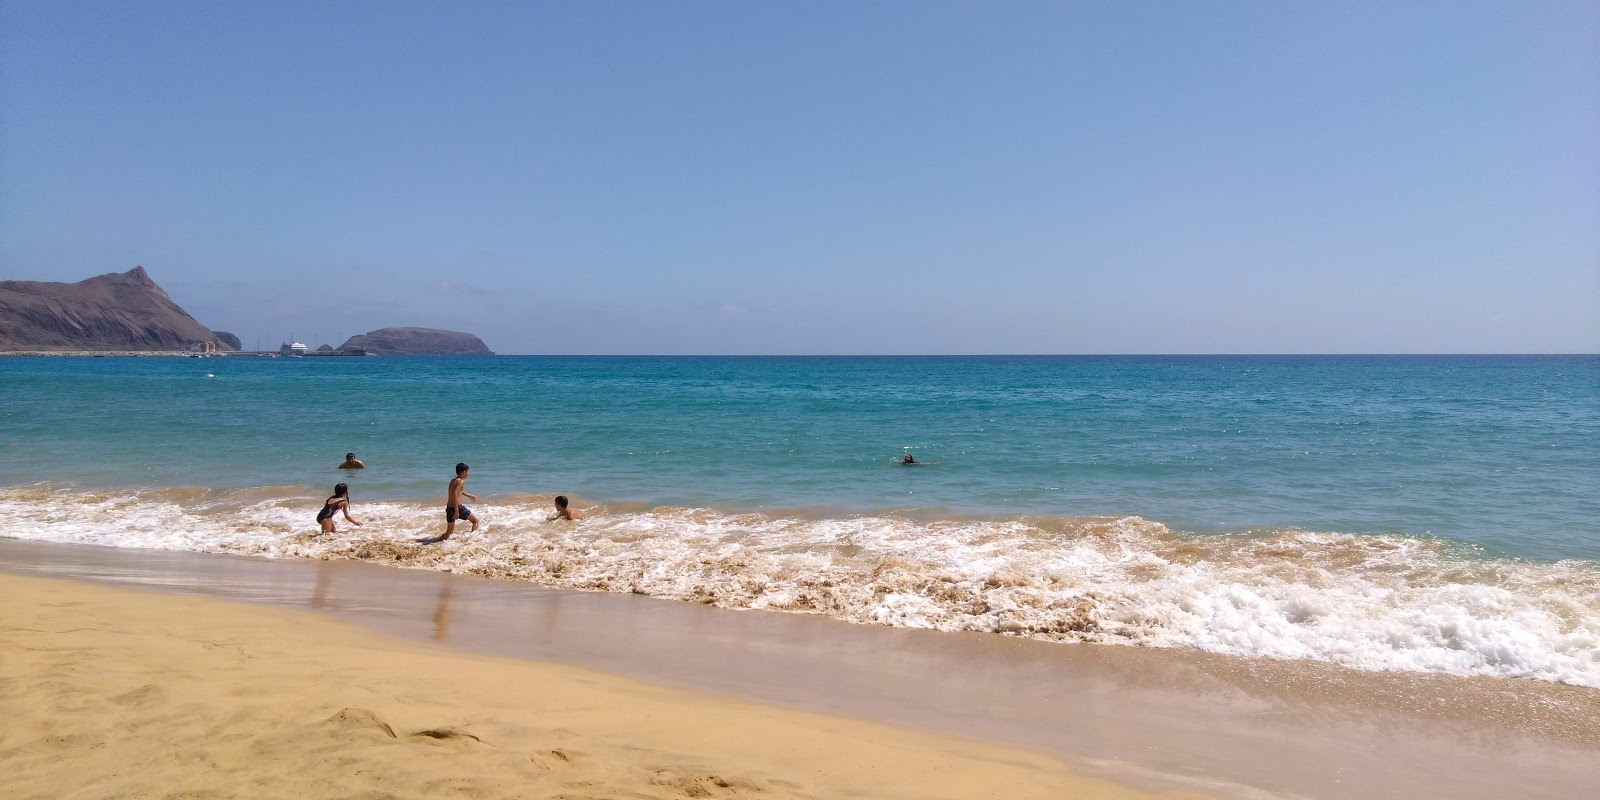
[124,311]
[418,342]
[127,313]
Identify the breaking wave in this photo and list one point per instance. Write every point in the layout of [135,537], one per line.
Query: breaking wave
[1376,602]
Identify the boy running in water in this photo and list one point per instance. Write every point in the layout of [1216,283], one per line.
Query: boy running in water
[453,509]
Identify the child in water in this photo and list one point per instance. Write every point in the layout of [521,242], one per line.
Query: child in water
[340,501]
[453,509]
[562,512]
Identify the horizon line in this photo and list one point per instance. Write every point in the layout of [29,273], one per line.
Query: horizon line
[1023,355]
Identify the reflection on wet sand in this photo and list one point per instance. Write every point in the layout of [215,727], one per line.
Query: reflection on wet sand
[441,613]
[319,594]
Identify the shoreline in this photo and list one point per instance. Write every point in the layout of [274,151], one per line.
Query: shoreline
[1374,602]
[1232,725]
[224,698]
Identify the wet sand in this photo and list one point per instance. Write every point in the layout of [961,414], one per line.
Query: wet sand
[1156,719]
[114,693]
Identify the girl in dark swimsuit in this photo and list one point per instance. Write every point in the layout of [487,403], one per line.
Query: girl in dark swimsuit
[340,501]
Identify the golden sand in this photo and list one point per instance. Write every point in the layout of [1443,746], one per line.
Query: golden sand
[116,693]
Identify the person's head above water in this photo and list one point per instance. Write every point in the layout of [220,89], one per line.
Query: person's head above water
[908,459]
[561,501]
[349,456]
[340,490]
[461,469]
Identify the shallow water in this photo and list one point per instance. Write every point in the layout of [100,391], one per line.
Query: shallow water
[1398,513]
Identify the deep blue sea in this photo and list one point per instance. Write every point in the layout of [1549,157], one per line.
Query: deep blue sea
[1045,485]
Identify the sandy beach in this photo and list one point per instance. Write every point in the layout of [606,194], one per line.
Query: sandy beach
[245,660]
[118,693]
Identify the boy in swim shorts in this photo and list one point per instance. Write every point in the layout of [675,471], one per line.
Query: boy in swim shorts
[453,509]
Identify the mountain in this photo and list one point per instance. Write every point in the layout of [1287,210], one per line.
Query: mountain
[115,311]
[419,342]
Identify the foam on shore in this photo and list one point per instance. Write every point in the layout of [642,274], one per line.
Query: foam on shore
[1377,602]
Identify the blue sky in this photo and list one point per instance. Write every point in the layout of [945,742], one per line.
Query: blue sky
[917,177]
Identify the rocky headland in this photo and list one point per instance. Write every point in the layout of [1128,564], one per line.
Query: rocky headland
[123,312]
[128,314]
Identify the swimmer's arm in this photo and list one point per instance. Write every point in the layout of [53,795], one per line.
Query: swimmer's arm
[347,516]
[469,495]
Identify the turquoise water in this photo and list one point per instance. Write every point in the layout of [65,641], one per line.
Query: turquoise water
[1384,513]
[1498,451]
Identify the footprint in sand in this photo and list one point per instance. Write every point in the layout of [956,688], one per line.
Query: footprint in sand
[551,760]
[452,735]
[704,784]
[361,719]
[143,697]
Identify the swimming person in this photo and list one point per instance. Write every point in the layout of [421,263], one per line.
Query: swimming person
[908,459]
[340,501]
[453,509]
[351,462]
[562,512]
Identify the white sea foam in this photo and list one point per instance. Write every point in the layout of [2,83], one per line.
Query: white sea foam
[1370,602]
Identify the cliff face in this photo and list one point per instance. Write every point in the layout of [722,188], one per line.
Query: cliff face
[419,342]
[228,339]
[125,311]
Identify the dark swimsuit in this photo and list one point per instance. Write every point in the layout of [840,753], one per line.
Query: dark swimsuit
[459,512]
[330,508]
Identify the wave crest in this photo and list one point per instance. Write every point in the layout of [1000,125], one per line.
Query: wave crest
[1379,602]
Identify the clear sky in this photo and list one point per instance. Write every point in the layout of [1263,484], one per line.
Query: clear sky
[821,177]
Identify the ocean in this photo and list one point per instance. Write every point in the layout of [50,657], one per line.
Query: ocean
[1435,513]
